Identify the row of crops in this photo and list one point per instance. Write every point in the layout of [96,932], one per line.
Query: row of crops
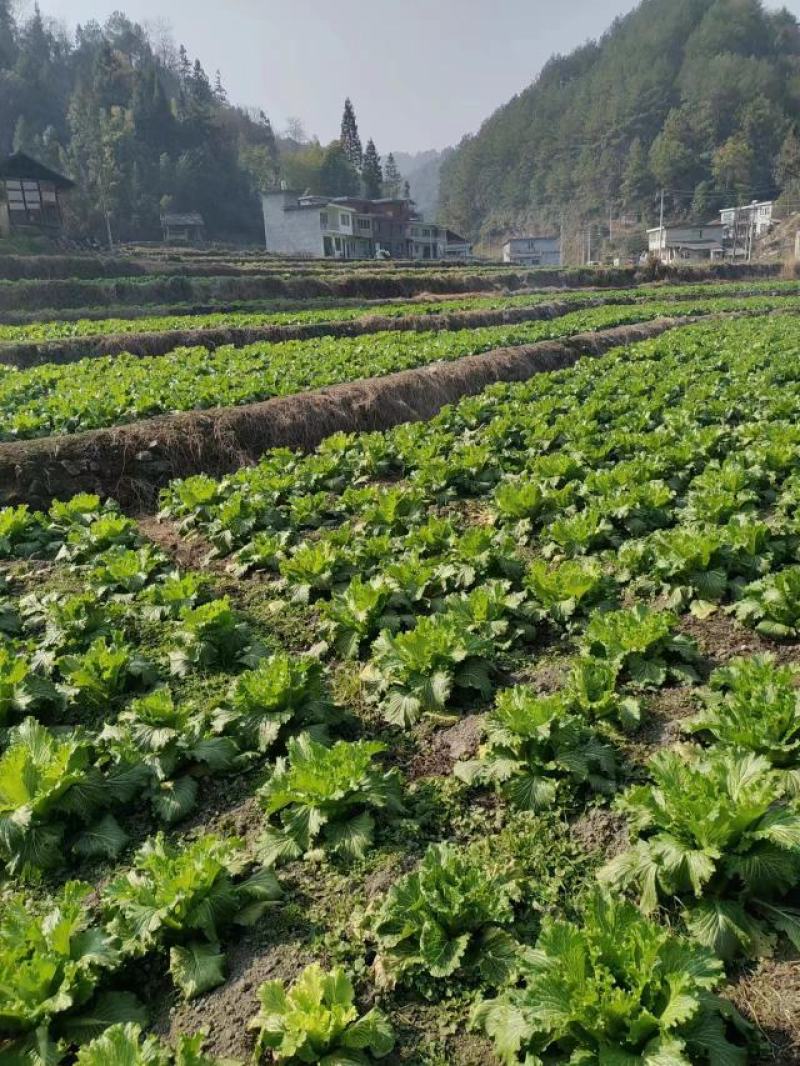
[229,753]
[60,329]
[108,391]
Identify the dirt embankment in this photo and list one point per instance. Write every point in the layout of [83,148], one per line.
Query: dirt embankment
[58,294]
[132,462]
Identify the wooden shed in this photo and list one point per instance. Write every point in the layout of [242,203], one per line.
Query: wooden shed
[188,228]
[30,195]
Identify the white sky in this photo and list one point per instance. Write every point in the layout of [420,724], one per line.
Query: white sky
[421,73]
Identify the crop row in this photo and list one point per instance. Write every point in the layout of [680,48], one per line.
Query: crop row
[60,329]
[665,473]
[95,393]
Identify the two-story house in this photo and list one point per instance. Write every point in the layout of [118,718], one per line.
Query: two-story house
[533,251]
[350,227]
[684,242]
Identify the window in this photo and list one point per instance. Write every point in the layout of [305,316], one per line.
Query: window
[323,219]
[344,220]
[363,223]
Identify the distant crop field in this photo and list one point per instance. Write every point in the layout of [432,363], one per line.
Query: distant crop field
[472,740]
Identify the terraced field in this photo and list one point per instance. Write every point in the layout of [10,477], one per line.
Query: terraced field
[468,741]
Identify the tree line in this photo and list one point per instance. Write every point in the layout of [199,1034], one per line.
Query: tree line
[143,130]
[700,98]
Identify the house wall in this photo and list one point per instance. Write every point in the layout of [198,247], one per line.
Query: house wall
[533,251]
[291,232]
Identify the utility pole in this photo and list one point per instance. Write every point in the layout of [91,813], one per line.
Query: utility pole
[661,227]
[561,240]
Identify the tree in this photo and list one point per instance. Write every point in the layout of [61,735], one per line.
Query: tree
[219,93]
[787,166]
[733,167]
[337,175]
[295,129]
[351,142]
[392,179]
[371,173]
[637,180]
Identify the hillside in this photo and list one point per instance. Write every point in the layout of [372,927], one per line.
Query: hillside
[422,169]
[696,96]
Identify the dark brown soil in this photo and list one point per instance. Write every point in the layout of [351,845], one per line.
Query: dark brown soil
[601,831]
[768,994]
[189,553]
[226,1010]
[438,751]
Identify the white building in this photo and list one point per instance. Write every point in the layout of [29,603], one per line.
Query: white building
[685,242]
[354,228]
[533,251]
[314,226]
[756,216]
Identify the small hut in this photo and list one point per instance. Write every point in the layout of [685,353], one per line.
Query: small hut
[30,195]
[188,228]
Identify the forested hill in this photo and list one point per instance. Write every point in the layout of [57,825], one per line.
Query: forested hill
[699,97]
[136,122]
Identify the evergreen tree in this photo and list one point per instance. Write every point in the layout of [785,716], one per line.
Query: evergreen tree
[220,95]
[184,66]
[338,177]
[392,178]
[351,142]
[371,173]
[637,180]
[787,166]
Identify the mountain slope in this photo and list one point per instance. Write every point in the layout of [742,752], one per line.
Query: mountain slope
[696,96]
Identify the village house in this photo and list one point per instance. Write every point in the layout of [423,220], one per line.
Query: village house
[349,227]
[683,242]
[533,251]
[30,196]
[189,228]
[742,225]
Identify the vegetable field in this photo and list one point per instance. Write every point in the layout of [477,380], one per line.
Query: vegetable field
[473,741]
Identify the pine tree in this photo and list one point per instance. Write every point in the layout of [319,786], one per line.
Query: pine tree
[220,95]
[184,65]
[392,178]
[371,173]
[406,189]
[351,142]
[637,181]
[337,175]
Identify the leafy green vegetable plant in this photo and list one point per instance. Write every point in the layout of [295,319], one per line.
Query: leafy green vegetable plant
[52,960]
[320,798]
[106,670]
[535,745]
[420,671]
[754,705]
[714,830]
[316,1020]
[184,897]
[211,636]
[565,592]
[614,987]
[49,785]
[173,741]
[447,918]
[643,644]
[772,605]
[124,1045]
[282,694]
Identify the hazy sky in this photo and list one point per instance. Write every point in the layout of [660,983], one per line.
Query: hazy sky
[421,73]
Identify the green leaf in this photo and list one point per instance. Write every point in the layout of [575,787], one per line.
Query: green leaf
[196,968]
